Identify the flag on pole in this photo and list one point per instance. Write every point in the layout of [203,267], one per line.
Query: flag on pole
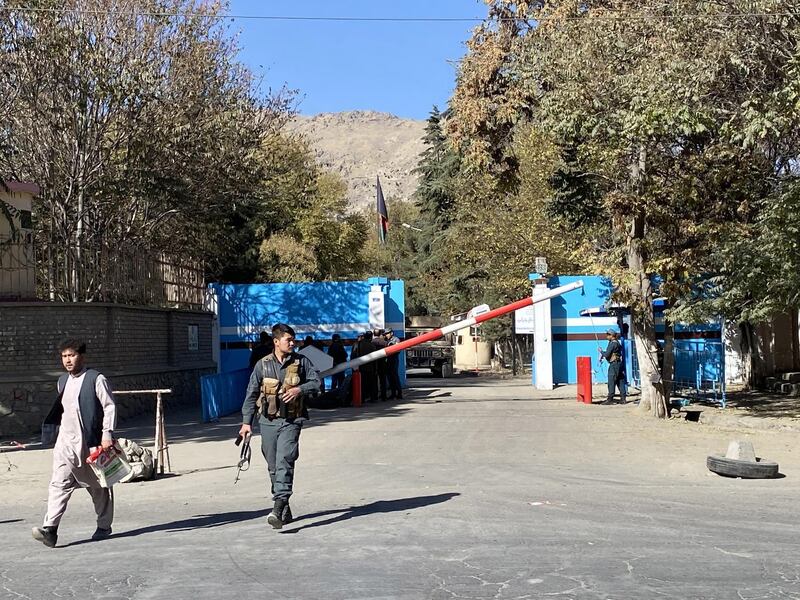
[383,215]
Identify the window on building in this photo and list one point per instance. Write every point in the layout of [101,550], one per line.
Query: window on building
[26,219]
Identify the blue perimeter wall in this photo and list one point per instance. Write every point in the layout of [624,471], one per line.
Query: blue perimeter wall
[575,335]
[699,353]
[317,309]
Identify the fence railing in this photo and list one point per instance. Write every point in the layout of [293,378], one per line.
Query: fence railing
[123,275]
[17,268]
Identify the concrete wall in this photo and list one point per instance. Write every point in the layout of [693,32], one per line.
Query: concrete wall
[135,347]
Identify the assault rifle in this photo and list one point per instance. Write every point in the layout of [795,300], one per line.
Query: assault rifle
[244,452]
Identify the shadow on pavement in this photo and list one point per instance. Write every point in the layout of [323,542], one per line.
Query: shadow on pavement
[228,518]
[195,522]
[185,424]
[765,404]
[381,506]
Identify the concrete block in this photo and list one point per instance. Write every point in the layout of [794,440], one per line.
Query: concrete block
[777,386]
[791,377]
[770,382]
[786,388]
[795,389]
[741,450]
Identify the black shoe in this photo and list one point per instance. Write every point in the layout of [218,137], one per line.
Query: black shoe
[47,535]
[274,517]
[101,534]
[286,516]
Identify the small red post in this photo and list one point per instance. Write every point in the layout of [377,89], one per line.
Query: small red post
[355,387]
[585,379]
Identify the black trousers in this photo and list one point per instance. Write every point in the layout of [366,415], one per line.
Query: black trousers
[395,389]
[337,380]
[380,370]
[616,379]
[369,384]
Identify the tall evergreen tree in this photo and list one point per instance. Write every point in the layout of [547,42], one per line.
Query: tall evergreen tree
[435,197]
[437,168]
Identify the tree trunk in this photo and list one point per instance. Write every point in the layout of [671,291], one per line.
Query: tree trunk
[668,363]
[652,401]
[751,355]
[51,261]
[78,263]
[644,326]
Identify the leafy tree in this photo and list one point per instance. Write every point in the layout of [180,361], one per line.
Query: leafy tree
[487,102]
[399,257]
[435,197]
[312,236]
[672,123]
[141,128]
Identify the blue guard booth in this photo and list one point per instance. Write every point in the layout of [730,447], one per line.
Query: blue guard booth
[576,327]
[318,309]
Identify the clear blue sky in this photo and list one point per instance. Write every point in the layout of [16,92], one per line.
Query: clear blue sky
[395,67]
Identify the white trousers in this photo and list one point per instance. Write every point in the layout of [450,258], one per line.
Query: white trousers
[65,481]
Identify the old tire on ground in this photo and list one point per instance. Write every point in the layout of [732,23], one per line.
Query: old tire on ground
[731,467]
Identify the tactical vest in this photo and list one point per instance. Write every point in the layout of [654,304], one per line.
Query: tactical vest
[91,411]
[616,353]
[269,402]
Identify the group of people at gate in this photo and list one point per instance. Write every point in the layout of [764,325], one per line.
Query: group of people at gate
[380,379]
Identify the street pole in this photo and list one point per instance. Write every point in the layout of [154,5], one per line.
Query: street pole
[514,344]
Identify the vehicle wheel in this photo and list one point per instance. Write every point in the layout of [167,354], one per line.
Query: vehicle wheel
[447,369]
[731,467]
[436,372]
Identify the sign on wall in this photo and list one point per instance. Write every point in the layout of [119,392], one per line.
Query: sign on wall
[524,321]
[194,337]
[377,316]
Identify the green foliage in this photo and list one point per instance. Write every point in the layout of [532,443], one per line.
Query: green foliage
[399,257]
[158,138]
[309,236]
[576,191]
[633,138]
[438,166]
[143,132]
[755,272]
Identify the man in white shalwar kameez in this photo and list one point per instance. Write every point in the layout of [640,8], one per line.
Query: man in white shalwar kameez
[86,414]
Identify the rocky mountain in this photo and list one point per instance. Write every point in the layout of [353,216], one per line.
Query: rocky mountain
[362,145]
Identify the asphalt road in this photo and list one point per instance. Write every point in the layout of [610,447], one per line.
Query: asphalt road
[470,488]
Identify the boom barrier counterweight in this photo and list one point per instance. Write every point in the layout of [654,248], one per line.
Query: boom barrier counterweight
[439,333]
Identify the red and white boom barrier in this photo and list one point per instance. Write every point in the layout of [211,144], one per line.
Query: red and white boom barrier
[438,333]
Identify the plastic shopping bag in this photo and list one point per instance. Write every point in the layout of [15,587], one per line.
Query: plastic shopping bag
[110,465]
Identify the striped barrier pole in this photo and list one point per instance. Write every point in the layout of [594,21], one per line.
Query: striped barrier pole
[439,333]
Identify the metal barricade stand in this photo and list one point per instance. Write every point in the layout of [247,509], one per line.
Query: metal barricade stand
[160,444]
